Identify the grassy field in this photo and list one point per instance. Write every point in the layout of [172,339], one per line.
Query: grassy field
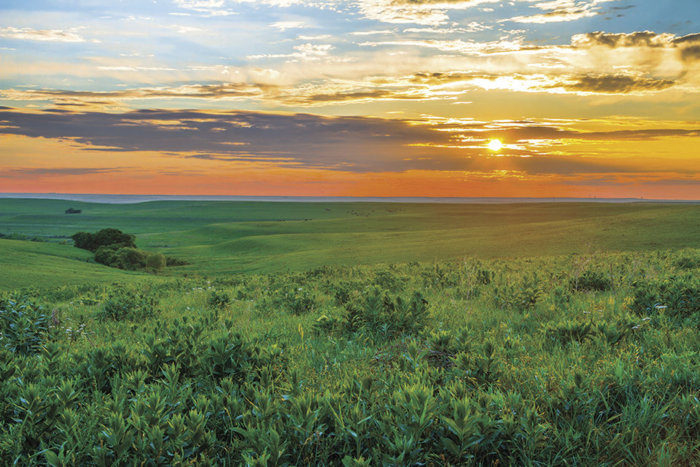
[354,335]
[573,360]
[46,265]
[241,237]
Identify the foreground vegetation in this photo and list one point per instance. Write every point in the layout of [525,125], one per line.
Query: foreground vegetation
[567,360]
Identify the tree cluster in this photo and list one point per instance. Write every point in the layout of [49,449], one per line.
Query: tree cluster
[117,249]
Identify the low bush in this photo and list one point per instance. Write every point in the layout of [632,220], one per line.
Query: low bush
[105,237]
[171,261]
[24,326]
[129,304]
[569,331]
[678,297]
[218,300]
[687,262]
[387,315]
[300,300]
[590,281]
[520,295]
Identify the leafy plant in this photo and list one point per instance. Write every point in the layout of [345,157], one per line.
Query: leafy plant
[23,325]
[590,280]
[383,314]
[678,296]
[219,300]
[569,331]
[521,295]
[129,304]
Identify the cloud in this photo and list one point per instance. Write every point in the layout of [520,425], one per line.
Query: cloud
[455,46]
[375,32]
[561,11]
[206,7]
[582,84]
[303,52]
[284,25]
[613,40]
[47,35]
[313,74]
[688,46]
[616,84]
[65,171]
[353,144]
[199,91]
[426,12]
[471,27]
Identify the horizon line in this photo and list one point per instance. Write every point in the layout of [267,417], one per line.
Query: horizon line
[141,198]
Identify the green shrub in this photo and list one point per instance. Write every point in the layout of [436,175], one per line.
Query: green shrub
[127,258]
[590,281]
[569,331]
[478,367]
[219,300]
[300,300]
[24,326]
[171,261]
[155,262]
[520,295]
[327,325]
[678,297]
[561,296]
[390,280]
[345,291]
[105,237]
[128,304]
[687,262]
[383,314]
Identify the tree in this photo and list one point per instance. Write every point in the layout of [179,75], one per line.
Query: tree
[155,262]
[105,237]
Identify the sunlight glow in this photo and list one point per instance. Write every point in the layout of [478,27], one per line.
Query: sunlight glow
[495,145]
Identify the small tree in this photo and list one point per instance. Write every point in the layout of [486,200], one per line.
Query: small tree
[155,262]
[84,241]
[105,237]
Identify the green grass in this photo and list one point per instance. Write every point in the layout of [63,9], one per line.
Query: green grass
[353,334]
[44,265]
[510,362]
[231,237]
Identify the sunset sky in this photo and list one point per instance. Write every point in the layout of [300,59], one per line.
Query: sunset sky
[351,98]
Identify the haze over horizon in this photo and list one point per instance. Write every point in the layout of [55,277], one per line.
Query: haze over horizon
[364,98]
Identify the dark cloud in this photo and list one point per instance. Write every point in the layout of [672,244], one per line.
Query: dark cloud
[689,39]
[593,83]
[198,91]
[688,46]
[532,132]
[351,143]
[617,84]
[38,172]
[375,94]
[358,144]
[614,40]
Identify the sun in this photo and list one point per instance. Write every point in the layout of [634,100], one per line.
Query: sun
[495,145]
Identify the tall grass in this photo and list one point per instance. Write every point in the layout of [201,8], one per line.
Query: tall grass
[553,361]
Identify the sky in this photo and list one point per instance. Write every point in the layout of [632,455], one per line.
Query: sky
[458,98]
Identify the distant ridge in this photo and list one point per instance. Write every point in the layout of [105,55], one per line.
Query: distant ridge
[132,199]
